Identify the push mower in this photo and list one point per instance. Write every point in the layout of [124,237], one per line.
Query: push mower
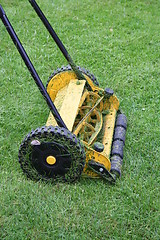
[85,131]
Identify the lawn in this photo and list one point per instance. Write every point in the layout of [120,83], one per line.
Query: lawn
[119,42]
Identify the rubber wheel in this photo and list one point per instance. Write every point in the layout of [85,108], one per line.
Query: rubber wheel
[52,154]
[68,68]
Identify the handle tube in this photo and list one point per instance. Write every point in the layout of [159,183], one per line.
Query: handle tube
[2,12]
[30,67]
[56,39]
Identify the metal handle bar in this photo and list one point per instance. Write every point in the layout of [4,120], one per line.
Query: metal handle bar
[56,39]
[30,67]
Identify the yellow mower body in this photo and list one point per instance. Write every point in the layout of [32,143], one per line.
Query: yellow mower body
[89,114]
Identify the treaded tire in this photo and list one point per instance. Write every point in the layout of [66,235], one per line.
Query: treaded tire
[68,68]
[37,168]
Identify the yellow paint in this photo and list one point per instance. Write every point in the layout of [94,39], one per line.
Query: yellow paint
[67,101]
[108,131]
[60,80]
[90,124]
[97,157]
[112,101]
[82,112]
[58,103]
[71,102]
[88,131]
[51,160]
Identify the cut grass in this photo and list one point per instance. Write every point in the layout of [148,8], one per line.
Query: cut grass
[119,42]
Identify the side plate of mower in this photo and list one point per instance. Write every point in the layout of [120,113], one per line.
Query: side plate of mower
[85,131]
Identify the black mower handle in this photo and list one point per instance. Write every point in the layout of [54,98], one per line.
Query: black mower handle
[59,43]
[49,28]
[2,12]
[30,67]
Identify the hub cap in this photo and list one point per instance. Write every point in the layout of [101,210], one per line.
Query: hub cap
[51,160]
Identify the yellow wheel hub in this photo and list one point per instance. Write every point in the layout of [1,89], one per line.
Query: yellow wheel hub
[51,160]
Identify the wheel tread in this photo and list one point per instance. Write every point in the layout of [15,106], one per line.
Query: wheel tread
[57,134]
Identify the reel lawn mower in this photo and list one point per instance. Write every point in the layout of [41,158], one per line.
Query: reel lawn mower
[85,131]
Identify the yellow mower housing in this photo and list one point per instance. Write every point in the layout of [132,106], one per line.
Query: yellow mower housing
[90,113]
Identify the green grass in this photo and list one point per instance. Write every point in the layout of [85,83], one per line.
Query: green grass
[119,42]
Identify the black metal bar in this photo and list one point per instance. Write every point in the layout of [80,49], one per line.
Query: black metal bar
[30,67]
[56,39]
